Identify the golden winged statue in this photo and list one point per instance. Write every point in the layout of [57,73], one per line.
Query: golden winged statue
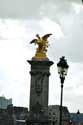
[42,43]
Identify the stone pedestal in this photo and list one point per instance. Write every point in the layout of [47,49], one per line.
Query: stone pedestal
[39,89]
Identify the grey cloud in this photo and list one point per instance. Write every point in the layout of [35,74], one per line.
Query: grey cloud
[60,11]
[30,8]
[71,45]
[19,8]
[72,101]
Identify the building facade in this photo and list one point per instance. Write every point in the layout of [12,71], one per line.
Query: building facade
[54,111]
[4,102]
[18,115]
[13,115]
[76,118]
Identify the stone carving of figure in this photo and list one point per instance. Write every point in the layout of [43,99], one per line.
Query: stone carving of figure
[39,83]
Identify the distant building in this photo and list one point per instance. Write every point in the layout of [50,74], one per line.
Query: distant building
[13,115]
[4,102]
[76,118]
[54,111]
[20,113]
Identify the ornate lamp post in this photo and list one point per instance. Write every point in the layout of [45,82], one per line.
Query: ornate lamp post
[62,70]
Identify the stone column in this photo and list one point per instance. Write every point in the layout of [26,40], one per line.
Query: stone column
[39,87]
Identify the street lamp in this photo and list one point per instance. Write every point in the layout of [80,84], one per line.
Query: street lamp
[62,70]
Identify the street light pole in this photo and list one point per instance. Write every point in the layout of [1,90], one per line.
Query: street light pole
[62,70]
[62,82]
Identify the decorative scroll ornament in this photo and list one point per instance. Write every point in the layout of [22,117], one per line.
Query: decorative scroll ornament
[42,45]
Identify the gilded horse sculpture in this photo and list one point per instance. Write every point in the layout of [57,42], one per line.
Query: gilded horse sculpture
[42,45]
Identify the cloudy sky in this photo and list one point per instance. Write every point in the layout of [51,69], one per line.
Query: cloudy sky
[20,20]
